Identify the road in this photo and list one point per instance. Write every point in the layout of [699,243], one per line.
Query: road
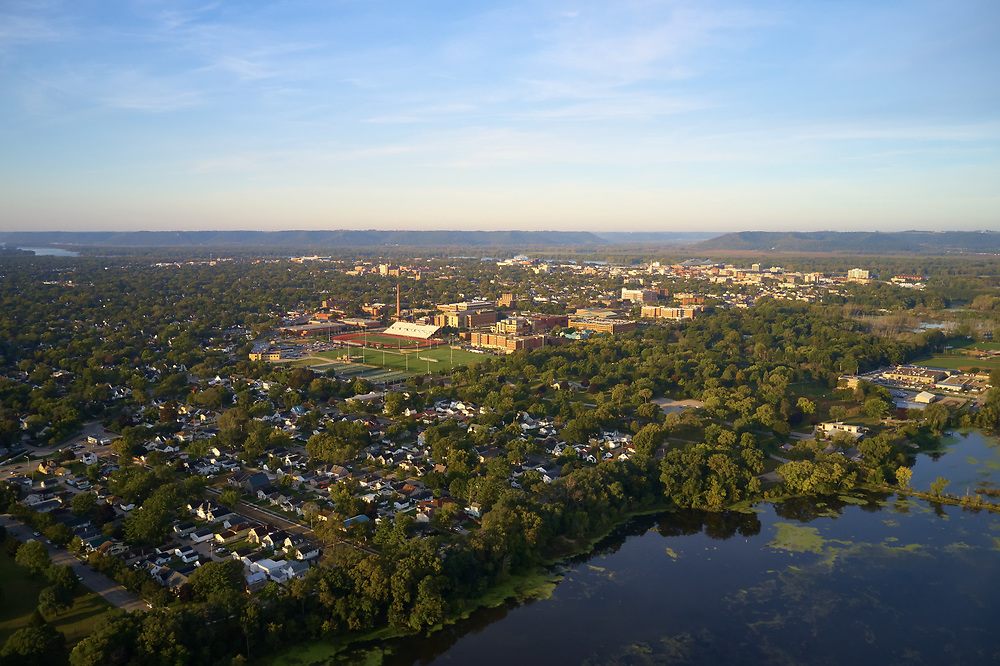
[114,593]
[92,428]
[268,517]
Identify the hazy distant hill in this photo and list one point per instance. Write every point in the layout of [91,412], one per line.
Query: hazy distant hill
[656,237]
[302,239]
[857,242]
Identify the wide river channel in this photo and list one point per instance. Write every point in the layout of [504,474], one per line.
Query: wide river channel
[874,579]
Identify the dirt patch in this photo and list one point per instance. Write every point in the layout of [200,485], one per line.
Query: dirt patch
[677,406]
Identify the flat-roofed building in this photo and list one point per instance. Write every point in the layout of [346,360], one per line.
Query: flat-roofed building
[465,306]
[543,322]
[466,319]
[855,431]
[375,309]
[915,375]
[310,330]
[676,314]
[690,299]
[513,326]
[639,295]
[263,352]
[603,325]
[508,343]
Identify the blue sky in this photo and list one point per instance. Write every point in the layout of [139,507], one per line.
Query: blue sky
[628,115]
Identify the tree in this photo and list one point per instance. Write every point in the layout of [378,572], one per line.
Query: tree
[34,556]
[230,497]
[936,416]
[214,577]
[233,426]
[64,577]
[54,599]
[83,503]
[39,645]
[393,404]
[807,406]
[838,412]
[618,393]
[59,534]
[341,443]
[903,475]
[875,407]
[937,488]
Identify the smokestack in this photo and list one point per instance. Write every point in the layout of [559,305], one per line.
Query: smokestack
[399,313]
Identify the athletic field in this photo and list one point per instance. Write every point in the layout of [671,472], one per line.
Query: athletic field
[412,362]
[383,340]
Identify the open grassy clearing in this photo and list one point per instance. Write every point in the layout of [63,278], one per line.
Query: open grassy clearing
[953,362]
[20,597]
[812,390]
[978,346]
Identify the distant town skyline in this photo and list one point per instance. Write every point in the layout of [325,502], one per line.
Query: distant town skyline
[634,116]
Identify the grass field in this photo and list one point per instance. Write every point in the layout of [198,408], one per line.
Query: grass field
[20,597]
[812,390]
[388,340]
[955,362]
[412,362]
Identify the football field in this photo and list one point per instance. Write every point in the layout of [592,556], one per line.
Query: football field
[414,361]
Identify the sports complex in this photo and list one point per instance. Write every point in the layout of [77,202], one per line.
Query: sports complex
[384,357]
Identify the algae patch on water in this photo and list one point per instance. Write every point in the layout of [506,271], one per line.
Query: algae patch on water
[797,539]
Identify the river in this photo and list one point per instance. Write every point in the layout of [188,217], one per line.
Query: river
[51,252]
[849,579]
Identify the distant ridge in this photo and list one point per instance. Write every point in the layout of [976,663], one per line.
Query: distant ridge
[837,242]
[316,239]
[656,237]
[856,242]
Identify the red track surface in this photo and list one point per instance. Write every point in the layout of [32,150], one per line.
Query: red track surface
[378,338]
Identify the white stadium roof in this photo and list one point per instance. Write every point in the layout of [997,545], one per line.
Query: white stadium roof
[407,330]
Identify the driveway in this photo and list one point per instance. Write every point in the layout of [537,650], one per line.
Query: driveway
[113,592]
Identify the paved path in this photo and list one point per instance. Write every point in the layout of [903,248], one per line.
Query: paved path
[266,516]
[111,591]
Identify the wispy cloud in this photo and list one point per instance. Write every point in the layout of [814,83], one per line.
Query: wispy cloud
[634,41]
[30,23]
[989,131]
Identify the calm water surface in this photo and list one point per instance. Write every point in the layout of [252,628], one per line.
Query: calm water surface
[851,580]
[51,252]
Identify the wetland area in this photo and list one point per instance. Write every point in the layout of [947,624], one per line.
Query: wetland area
[867,578]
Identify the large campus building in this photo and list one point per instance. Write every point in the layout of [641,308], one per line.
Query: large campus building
[466,318]
[507,343]
[915,375]
[658,312]
[603,325]
[310,330]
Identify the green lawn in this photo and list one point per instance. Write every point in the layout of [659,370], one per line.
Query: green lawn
[812,390]
[20,597]
[376,339]
[415,361]
[981,346]
[954,362]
